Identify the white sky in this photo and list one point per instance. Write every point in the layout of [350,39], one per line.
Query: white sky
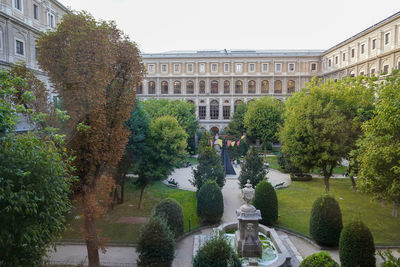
[165,25]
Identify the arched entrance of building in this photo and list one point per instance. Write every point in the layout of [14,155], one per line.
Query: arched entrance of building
[214,130]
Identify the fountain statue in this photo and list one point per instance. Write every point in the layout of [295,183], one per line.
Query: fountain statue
[248,244]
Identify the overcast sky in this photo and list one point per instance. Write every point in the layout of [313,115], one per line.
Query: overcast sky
[165,25]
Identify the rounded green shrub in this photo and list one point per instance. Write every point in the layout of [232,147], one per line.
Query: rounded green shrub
[216,252]
[326,221]
[321,259]
[266,201]
[356,246]
[171,210]
[210,202]
[156,246]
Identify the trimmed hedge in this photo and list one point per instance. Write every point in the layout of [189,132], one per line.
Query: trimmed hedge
[321,259]
[356,246]
[266,201]
[300,177]
[156,246]
[326,221]
[210,202]
[216,252]
[171,210]
[253,169]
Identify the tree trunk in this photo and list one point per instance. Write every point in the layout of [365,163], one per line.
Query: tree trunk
[353,183]
[92,243]
[121,199]
[141,197]
[394,211]
[326,180]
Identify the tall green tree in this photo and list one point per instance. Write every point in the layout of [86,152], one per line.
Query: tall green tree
[322,122]
[263,118]
[236,126]
[379,149]
[253,169]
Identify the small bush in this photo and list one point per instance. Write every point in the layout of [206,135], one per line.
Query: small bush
[321,259]
[210,202]
[300,177]
[171,210]
[326,221]
[216,252]
[356,246]
[266,201]
[253,169]
[156,246]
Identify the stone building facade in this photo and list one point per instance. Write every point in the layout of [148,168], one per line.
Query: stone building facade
[216,81]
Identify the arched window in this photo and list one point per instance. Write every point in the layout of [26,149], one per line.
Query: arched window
[152,87]
[239,87]
[252,87]
[265,87]
[237,103]
[190,101]
[227,87]
[189,87]
[278,87]
[202,87]
[177,87]
[139,88]
[290,86]
[214,110]
[214,87]
[164,87]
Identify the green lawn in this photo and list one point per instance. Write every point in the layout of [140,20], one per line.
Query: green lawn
[124,232]
[295,204]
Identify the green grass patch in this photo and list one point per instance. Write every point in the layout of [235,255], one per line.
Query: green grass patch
[125,232]
[295,203]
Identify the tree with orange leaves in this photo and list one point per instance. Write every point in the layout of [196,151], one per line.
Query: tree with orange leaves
[94,69]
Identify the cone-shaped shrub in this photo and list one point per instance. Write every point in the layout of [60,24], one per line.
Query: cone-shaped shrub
[320,259]
[253,169]
[216,252]
[356,246]
[266,201]
[156,245]
[210,202]
[171,210]
[326,221]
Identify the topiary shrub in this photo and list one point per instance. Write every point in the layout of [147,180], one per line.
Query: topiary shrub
[253,169]
[171,210]
[210,202]
[300,177]
[321,259]
[156,246]
[326,221]
[356,246]
[216,252]
[266,201]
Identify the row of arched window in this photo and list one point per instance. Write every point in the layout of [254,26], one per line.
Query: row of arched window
[214,87]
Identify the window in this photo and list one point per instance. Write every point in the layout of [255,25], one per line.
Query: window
[344,56]
[202,87]
[239,67]
[278,67]
[189,87]
[214,110]
[150,68]
[372,72]
[202,112]
[214,67]
[163,68]
[152,87]
[278,87]
[18,4]
[177,87]
[19,47]
[227,87]
[214,87]
[265,67]
[189,67]
[385,69]
[139,88]
[362,48]
[313,67]
[177,67]
[387,38]
[36,53]
[361,73]
[226,67]
[202,67]
[226,112]
[291,67]
[352,52]
[164,87]
[50,20]
[398,65]
[264,86]
[237,103]
[373,44]
[291,87]
[251,87]
[239,87]
[329,62]
[35,11]
[336,60]
[252,67]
